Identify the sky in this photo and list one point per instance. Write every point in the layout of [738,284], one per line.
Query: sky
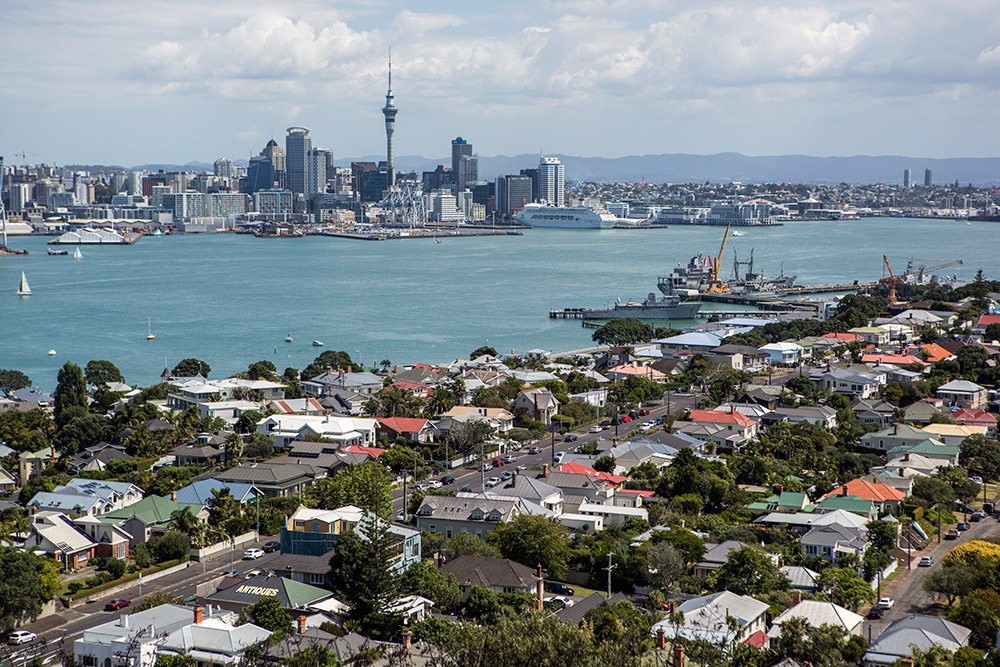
[112,82]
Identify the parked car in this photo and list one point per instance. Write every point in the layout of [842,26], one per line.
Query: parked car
[486,466]
[535,450]
[21,637]
[253,573]
[605,423]
[875,614]
[886,603]
[561,589]
[497,463]
[977,479]
[952,534]
[506,475]
[976,517]
[230,573]
[253,554]
[926,561]
[643,412]
[633,414]
[596,428]
[492,481]
[271,547]
[962,525]
[422,487]
[447,479]
[510,458]
[572,437]
[435,484]
[117,604]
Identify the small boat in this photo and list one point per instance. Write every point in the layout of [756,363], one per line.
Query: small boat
[52,353]
[317,343]
[53,251]
[22,288]
[77,254]
[288,338]
[738,233]
[149,328]
[158,232]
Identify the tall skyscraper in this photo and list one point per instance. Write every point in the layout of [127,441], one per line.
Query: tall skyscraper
[298,148]
[552,181]
[906,179]
[260,174]
[224,168]
[468,171]
[460,148]
[928,178]
[512,193]
[389,111]
[276,155]
[318,158]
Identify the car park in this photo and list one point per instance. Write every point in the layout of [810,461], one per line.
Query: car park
[253,554]
[447,479]
[926,561]
[271,547]
[20,637]
[117,604]
[492,481]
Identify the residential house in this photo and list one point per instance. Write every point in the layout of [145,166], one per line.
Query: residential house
[574,614]
[847,382]
[928,448]
[87,497]
[577,488]
[903,635]
[415,429]
[819,415]
[597,398]
[885,497]
[202,394]
[236,593]
[112,541]
[533,489]
[634,369]
[860,506]
[200,492]
[612,515]
[954,434]
[474,515]
[877,336]
[500,575]
[55,535]
[816,614]
[273,480]
[834,541]
[728,428]
[97,457]
[137,639]
[150,516]
[306,569]
[339,381]
[722,619]
[190,455]
[32,463]
[873,411]
[740,357]
[933,353]
[715,557]
[963,394]
[922,412]
[342,430]
[499,419]
[786,501]
[699,342]
[801,578]
[783,353]
[538,404]
[893,436]
[297,406]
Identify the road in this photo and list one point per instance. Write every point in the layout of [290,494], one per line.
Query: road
[470,476]
[57,633]
[906,588]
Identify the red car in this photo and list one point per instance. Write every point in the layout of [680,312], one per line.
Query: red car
[497,463]
[114,605]
[643,412]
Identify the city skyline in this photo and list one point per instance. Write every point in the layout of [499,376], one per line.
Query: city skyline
[181,82]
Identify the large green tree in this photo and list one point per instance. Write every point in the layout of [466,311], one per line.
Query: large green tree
[190,367]
[750,571]
[22,590]
[534,540]
[366,485]
[71,392]
[424,579]
[268,614]
[980,456]
[12,380]
[623,331]
[101,372]
[362,575]
[980,612]
[952,582]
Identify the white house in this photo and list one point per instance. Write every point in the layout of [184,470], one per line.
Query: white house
[783,353]
[707,618]
[342,430]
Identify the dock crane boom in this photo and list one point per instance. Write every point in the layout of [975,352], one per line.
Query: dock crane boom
[927,269]
[716,286]
[891,281]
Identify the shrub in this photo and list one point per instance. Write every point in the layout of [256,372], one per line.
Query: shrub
[74,587]
[972,553]
[116,567]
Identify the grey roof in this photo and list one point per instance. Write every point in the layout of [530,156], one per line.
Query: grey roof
[565,480]
[487,571]
[468,509]
[573,615]
[524,486]
[800,577]
[921,632]
[265,473]
[345,648]
[960,385]
[719,553]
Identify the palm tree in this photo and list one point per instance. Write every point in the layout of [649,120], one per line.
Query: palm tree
[183,521]
[385,364]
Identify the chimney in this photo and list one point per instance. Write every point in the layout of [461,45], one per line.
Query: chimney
[661,639]
[796,597]
[197,614]
[406,638]
[843,490]
[302,624]
[895,429]
[545,470]
[123,621]
[541,587]
[329,369]
[52,453]
[678,654]
[732,409]
[906,456]
[671,607]
[173,496]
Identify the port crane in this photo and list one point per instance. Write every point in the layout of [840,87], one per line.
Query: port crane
[919,273]
[716,286]
[891,281]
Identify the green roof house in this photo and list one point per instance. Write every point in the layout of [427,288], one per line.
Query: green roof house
[150,516]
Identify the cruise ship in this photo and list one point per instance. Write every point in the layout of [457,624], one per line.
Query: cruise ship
[564,217]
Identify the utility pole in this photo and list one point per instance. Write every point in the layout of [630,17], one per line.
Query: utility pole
[609,569]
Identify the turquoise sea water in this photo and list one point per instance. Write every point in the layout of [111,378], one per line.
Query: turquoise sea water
[229,299]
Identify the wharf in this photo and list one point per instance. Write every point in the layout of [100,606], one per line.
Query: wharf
[393,234]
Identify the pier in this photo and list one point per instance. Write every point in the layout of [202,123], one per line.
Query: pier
[394,233]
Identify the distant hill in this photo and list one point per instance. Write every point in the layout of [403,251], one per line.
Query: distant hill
[717,168]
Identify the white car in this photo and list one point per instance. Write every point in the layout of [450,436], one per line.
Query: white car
[492,481]
[435,484]
[596,428]
[21,637]
[253,554]
[886,603]
[510,458]
[559,456]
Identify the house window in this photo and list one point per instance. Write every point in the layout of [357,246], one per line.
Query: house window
[447,532]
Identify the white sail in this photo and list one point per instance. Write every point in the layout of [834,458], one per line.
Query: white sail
[77,254]
[23,288]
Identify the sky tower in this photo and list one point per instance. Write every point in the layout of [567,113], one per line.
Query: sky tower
[389,111]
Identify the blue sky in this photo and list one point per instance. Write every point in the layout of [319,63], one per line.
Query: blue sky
[135,82]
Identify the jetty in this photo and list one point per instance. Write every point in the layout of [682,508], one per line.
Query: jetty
[392,233]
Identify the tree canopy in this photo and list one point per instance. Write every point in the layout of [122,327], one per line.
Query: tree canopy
[623,331]
[71,392]
[533,540]
[101,372]
[191,367]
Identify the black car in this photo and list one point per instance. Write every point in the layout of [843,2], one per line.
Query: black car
[271,547]
[571,438]
[962,525]
[876,613]
[447,479]
[556,587]
[465,489]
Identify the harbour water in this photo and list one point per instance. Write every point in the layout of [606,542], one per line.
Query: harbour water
[230,299]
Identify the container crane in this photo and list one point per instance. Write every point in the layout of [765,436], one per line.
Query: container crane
[891,281]
[927,269]
[716,286]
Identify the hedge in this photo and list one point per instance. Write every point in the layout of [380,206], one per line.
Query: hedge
[87,592]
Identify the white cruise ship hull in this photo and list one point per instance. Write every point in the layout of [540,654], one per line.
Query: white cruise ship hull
[564,217]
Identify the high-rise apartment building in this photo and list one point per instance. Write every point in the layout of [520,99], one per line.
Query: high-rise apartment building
[907,182]
[226,204]
[928,178]
[513,192]
[20,195]
[552,181]
[460,148]
[298,149]
[272,202]
[316,176]
[224,168]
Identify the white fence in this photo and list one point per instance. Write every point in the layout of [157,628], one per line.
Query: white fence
[238,541]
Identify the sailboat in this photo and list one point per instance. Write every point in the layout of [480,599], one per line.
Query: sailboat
[23,289]
[288,338]
[149,328]
[77,254]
